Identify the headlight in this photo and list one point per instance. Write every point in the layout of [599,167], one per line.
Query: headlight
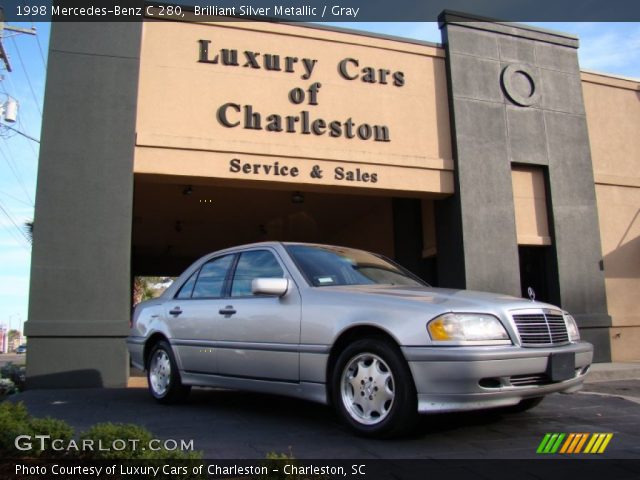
[472,328]
[572,328]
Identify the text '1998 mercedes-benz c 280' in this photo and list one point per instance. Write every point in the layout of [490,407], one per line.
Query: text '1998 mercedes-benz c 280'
[350,328]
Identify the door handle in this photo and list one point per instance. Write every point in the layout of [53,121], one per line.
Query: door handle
[228,310]
[176,311]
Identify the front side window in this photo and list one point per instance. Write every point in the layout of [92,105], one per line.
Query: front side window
[210,282]
[254,264]
[326,266]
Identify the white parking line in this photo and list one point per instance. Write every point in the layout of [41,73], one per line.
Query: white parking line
[625,397]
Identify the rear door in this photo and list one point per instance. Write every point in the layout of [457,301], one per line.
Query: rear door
[193,314]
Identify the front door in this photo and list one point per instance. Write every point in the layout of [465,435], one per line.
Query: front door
[259,335]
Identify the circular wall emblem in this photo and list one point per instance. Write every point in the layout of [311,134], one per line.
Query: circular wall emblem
[519,84]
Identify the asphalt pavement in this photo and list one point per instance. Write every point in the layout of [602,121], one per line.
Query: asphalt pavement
[230,424]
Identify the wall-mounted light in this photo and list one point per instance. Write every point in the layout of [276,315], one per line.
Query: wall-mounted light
[188,190]
[297,197]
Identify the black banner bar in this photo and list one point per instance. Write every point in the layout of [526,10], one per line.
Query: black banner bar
[319,10]
[353,469]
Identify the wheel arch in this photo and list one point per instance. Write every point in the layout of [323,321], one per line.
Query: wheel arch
[150,343]
[351,334]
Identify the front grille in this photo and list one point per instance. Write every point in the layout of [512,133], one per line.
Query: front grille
[541,328]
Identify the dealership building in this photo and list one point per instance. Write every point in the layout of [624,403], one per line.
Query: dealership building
[488,162]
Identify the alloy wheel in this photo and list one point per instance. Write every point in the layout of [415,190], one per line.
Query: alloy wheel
[367,388]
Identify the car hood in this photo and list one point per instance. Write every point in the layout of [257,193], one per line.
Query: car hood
[443,297]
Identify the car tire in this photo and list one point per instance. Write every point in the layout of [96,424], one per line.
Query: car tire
[372,389]
[163,376]
[524,405]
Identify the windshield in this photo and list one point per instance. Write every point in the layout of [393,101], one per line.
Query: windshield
[327,266]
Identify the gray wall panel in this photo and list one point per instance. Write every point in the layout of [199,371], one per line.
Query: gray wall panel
[534,116]
[561,92]
[526,130]
[474,77]
[477,43]
[517,50]
[554,58]
[91,38]
[80,275]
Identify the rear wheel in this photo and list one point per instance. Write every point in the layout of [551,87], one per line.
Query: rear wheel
[373,390]
[163,376]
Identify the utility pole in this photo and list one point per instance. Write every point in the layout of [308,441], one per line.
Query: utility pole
[9,28]
[9,109]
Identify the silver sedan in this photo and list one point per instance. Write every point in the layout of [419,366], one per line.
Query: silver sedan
[350,328]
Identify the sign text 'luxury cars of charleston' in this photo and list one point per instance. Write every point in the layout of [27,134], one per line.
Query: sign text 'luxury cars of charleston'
[232,115]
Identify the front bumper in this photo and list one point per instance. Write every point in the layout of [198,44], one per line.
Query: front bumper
[470,378]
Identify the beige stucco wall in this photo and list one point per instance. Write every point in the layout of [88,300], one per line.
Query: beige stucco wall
[530,205]
[178,132]
[613,116]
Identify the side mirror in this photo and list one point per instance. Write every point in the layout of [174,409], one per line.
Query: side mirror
[270,286]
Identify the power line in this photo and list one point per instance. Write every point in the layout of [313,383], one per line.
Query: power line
[14,95]
[12,157]
[23,128]
[44,62]
[33,150]
[16,199]
[17,177]
[26,74]
[25,135]
[24,235]
[18,239]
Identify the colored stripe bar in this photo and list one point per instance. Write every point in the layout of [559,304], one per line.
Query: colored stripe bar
[556,446]
[576,441]
[599,440]
[582,442]
[567,443]
[543,443]
[572,443]
[594,437]
[550,443]
[605,443]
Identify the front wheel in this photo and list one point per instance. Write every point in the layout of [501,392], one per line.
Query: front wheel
[163,376]
[373,390]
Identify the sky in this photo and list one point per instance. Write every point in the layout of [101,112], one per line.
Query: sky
[605,47]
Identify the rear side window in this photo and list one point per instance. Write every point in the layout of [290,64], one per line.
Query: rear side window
[187,288]
[210,282]
[254,264]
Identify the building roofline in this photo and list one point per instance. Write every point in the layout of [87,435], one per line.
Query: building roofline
[364,33]
[610,75]
[508,28]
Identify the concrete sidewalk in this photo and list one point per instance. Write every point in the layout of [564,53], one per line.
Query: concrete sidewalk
[607,372]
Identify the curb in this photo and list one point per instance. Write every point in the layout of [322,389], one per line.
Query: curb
[607,372]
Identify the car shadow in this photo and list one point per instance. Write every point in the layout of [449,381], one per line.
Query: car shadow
[304,414]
